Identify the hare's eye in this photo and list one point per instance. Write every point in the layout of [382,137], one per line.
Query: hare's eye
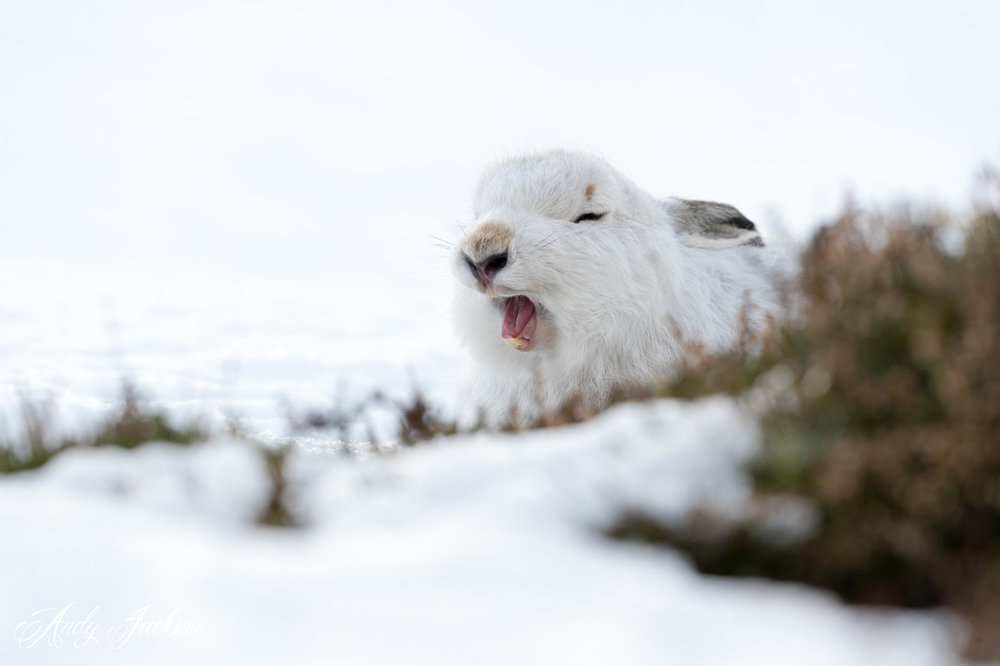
[588,216]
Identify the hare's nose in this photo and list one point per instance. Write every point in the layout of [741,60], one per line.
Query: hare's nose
[486,249]
[485,270]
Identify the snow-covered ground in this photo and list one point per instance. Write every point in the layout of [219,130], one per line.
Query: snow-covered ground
[481,549]
[216,346]
[478,549]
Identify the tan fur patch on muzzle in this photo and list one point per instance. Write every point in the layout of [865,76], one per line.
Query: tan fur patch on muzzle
[488,239]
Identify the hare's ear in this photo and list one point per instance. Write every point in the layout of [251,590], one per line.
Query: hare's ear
[710,225]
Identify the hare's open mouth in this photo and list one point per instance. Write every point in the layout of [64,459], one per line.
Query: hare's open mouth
[519,319]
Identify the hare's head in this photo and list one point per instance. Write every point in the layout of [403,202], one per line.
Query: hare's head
[561,243]
[603,285]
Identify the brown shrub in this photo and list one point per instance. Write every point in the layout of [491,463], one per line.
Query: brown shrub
[887,420]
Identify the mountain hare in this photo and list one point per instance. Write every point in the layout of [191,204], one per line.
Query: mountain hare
[575,283]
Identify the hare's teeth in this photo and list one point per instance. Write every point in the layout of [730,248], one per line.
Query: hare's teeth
[516,343]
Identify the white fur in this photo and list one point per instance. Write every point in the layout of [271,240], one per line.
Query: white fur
[620,299]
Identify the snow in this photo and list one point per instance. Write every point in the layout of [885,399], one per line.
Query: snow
[215,346]
[477,549]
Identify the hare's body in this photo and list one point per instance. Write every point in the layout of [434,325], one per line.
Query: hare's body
[576,283]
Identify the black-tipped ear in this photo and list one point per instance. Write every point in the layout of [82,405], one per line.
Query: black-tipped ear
[708,224]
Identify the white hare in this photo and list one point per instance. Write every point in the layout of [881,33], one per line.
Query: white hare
[575,283]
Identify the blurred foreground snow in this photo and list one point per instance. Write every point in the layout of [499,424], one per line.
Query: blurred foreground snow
[473,550]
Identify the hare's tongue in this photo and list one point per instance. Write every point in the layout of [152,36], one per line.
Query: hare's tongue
[519,323]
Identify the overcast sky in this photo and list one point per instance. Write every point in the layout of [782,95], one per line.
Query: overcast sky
[305,136]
